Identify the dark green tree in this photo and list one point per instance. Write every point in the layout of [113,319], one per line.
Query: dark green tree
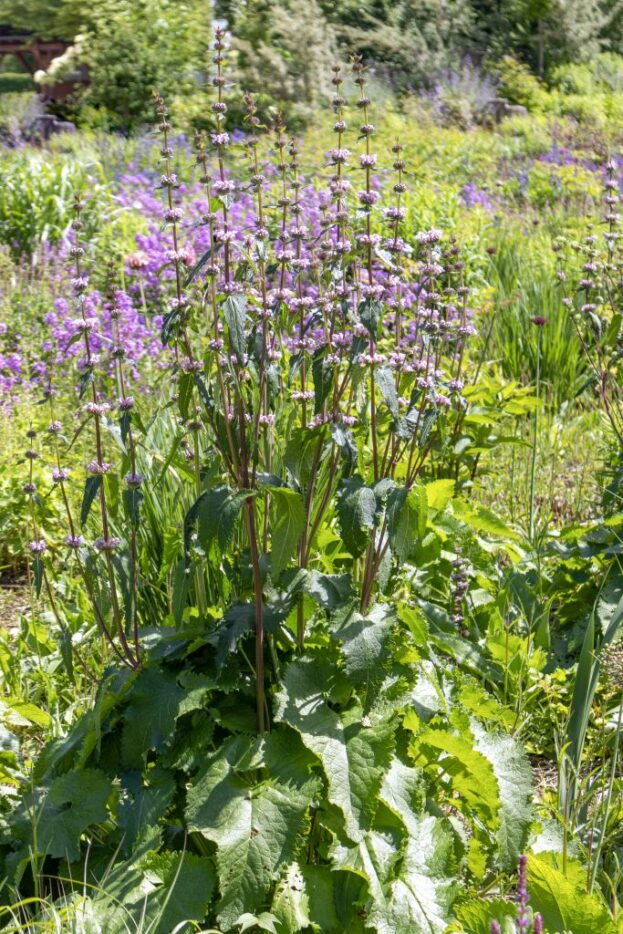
[284,50]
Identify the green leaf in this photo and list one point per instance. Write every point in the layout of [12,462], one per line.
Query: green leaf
[403,787]
[86,378]
[343,439]
[170,325]
[426,425]
[64,810]
[439,493]
[586,679]
[320,887]
[286,756]
[477,914]
[611,337]
[194,272]
[150,715]
[373,858]
[132,499]
[300,454]
[482,519]
[143,803]
[421,899]
[384,379]
[291,902]
[370,311]
[513,773]
[470,772]
[363,642]
[253,825]
[288,527]
[354,754]
[125,570]
[37,573]
[186,384]
[187,883]
[30,713]
[406,519]
[155,891]
[233,309]
[91,489]
[356,509]
[235,625]
[125,423]
[217,513]
[180,590]
[562,899]
[322,374]
[329,590]
[376,855]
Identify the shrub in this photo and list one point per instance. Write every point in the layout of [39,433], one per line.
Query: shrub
[282,48]
[460,98]
[519,85]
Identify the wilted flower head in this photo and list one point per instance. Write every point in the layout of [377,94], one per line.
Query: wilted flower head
[107,544]
[98,469]
[74,541]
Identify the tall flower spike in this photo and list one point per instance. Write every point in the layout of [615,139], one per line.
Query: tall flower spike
[523,917]
[175,320]
[132,499]
[369,292]
[98,467]
[220,141]
[259,243]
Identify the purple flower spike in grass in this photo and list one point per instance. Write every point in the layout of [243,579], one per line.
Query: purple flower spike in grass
[523,918]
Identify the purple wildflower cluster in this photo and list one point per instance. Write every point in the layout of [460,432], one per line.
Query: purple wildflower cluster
[306,225]
[473,197]
[277,303]
[308,231]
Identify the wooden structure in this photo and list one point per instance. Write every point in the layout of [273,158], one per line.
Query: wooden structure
[35,55]
[32,53]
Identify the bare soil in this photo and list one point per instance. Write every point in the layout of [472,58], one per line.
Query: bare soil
[14,600]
